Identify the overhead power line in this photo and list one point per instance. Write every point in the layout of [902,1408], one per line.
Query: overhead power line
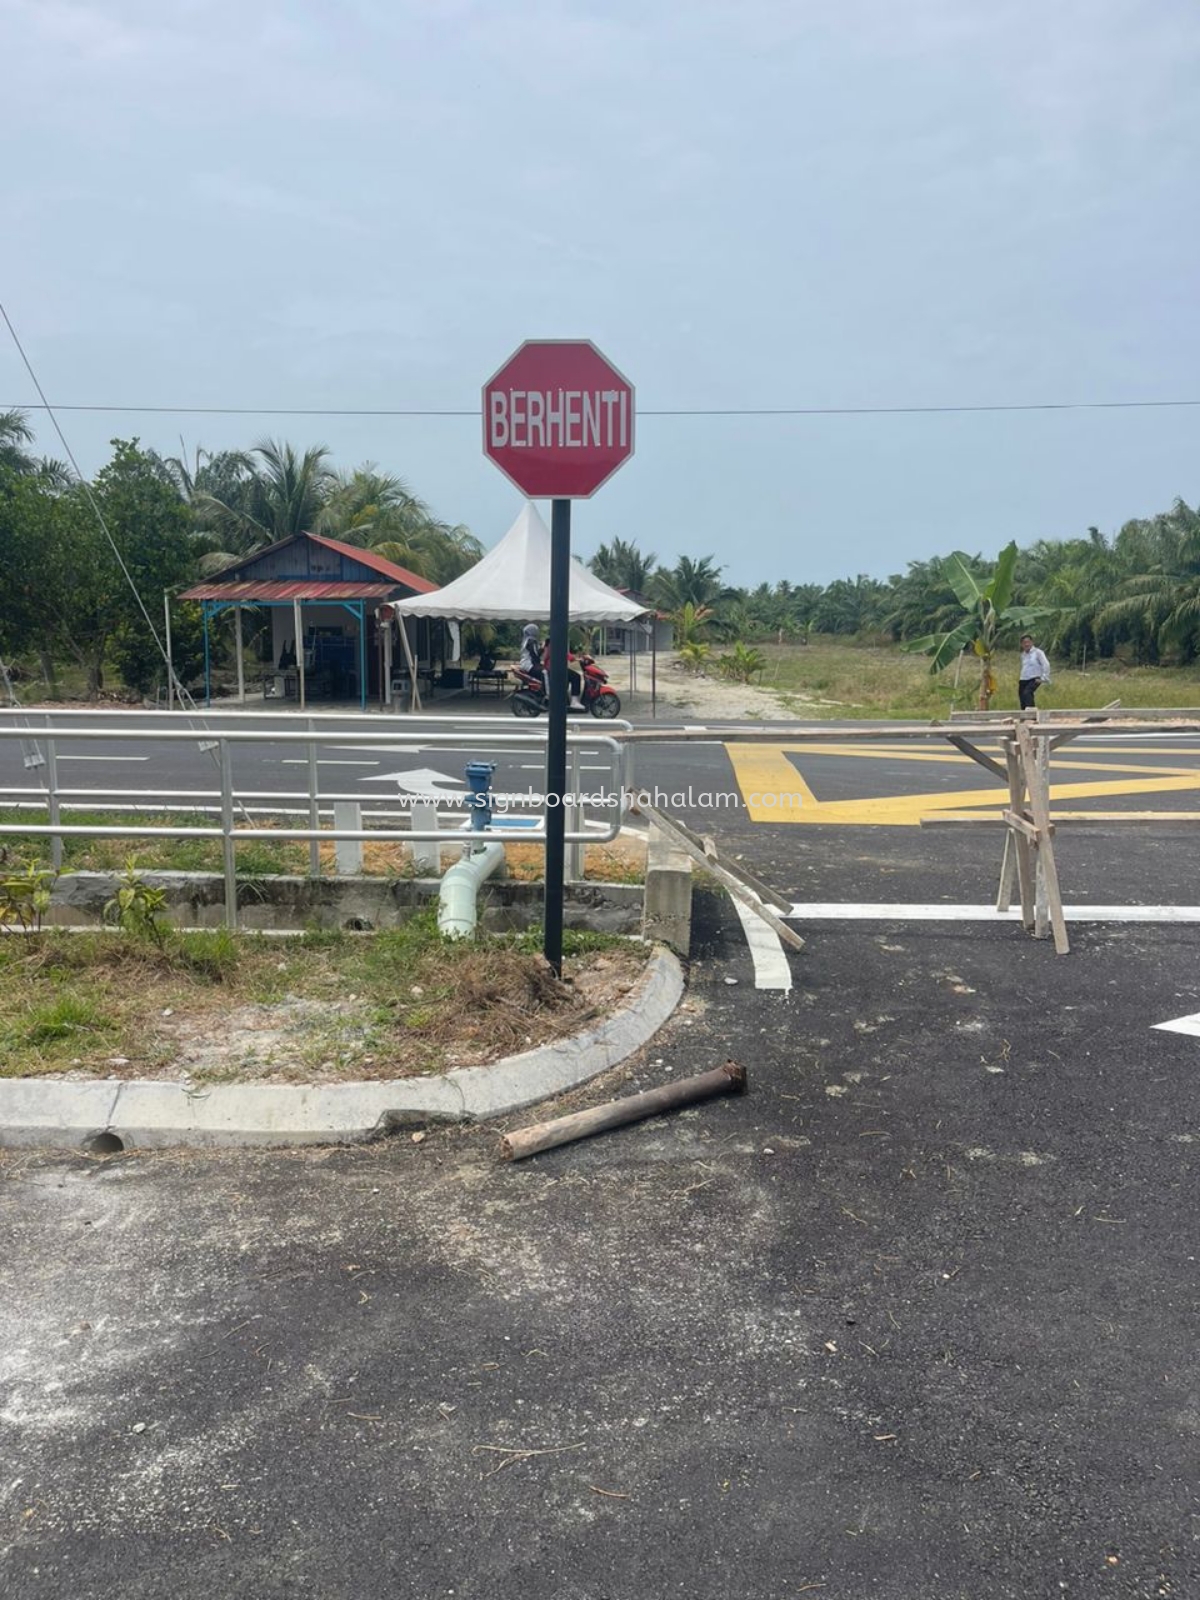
[643,411]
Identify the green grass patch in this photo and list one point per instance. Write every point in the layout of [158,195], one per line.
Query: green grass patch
[229,1007]
[829,678]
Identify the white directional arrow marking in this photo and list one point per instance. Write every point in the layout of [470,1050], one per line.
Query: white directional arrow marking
[1181,1025]
[422,781]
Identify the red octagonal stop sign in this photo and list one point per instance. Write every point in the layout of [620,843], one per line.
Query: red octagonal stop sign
[558,419]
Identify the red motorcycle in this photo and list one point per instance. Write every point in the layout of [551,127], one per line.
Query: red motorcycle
[529,698]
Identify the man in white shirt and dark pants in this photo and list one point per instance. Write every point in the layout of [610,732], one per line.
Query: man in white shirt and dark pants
[1035,671]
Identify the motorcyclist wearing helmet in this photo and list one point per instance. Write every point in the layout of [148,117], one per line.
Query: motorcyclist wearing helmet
[531,653]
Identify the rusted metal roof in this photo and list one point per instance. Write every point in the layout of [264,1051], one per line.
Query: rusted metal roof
[250,591]
[377,563]
[362,557]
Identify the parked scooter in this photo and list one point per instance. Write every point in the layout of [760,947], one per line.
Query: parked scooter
[529,698]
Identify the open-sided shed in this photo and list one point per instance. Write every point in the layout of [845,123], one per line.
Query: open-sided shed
[311,586]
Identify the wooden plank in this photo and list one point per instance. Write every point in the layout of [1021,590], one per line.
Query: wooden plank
[968,749]
[1016,793]
[735,886]
[1102,819]
[1039,777]
[1126,724]
[789,733]
[708,848]
[1022,825]
[1038,780]
[1008,867]
[1102,714]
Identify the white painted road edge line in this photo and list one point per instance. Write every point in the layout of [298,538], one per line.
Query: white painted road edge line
[907,911]
[771,968]
[100,758]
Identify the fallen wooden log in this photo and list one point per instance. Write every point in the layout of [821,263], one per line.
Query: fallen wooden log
[515,1146]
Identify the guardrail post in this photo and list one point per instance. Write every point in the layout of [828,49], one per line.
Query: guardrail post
[426,853]
[228,847]
[573,817]
[348,853]
[53,806]
[314,809]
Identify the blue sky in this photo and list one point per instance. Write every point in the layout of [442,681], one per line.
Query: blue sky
[769,203]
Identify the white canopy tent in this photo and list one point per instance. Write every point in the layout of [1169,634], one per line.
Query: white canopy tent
[512,584]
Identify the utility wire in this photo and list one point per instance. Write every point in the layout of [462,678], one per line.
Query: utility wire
[642,411]
[185,696]
[85,485]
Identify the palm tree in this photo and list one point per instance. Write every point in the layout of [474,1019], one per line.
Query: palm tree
[378,509]
[290,489]
[438,552]
[367,506]
[242,503]
[624,566]
[219,488]
[15,434]
[696,581]
[1157,606]
[849,605]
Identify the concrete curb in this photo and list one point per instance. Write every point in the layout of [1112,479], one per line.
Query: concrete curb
[38,1113]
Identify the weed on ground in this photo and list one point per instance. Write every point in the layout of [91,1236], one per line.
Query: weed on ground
[216,1006]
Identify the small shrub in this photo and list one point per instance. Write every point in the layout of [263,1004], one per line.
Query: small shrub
[693,655]
[742,664]
[136,907]
[25,895]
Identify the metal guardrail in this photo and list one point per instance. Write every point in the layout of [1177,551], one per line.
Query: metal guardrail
[221,734]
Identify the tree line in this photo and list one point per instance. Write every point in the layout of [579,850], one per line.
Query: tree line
[173,519]
[1135,594]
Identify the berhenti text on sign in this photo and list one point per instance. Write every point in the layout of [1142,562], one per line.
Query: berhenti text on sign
[567,419]
[558,418]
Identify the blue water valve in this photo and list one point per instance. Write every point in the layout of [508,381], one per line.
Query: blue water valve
[479,781]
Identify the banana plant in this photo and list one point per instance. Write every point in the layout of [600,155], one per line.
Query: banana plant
[988,617]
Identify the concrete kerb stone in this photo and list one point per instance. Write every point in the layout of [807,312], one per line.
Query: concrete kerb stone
[667,916]
[40,1114]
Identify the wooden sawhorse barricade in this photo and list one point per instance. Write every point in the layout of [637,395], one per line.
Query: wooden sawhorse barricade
[1027,744]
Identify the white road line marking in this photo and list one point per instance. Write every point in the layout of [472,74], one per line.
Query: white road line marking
[771,969]
[104,758]
[1181,1025]
[835,911]
[300,761]
[390,749]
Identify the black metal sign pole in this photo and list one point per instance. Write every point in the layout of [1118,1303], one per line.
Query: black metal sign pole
[556,743]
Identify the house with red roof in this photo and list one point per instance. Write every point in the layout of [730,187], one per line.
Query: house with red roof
[320,602]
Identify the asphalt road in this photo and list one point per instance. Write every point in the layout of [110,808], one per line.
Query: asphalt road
[852,828]
[916,1317]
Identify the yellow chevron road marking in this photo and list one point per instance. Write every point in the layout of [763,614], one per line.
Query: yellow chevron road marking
[774,791]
